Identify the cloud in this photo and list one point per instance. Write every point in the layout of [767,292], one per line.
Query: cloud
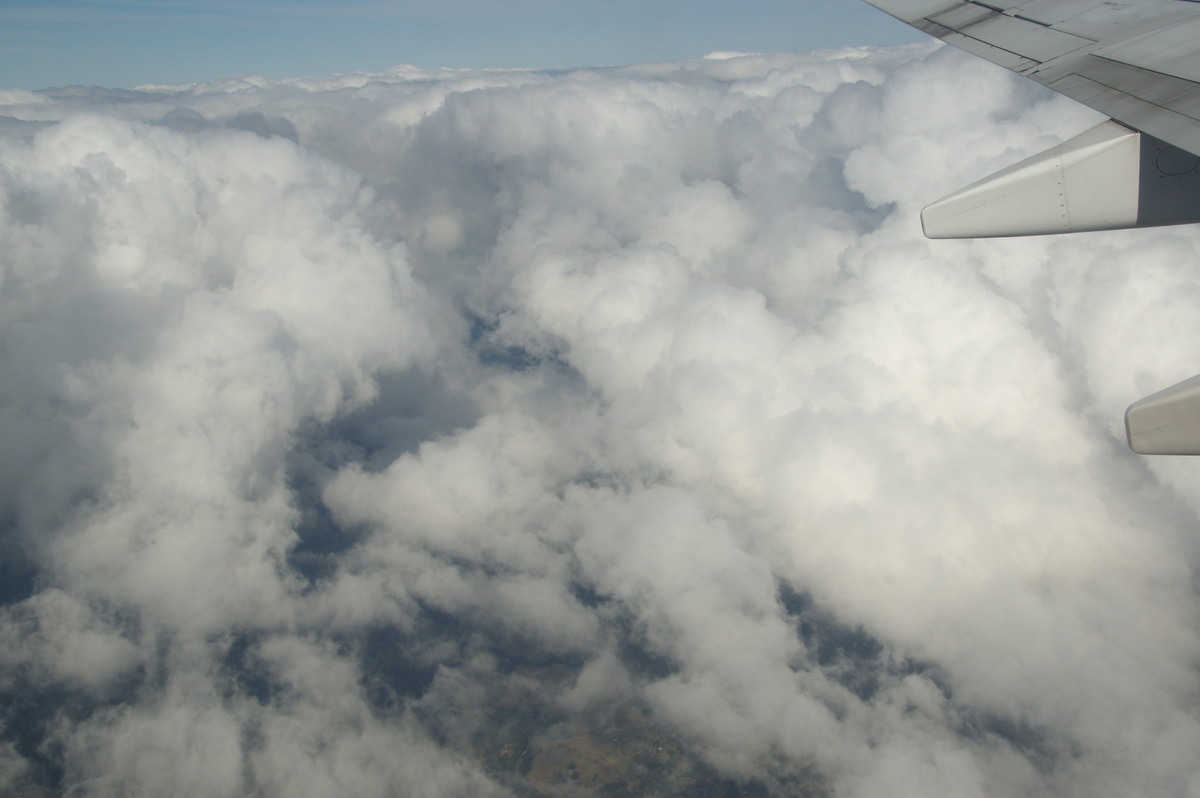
[450,432]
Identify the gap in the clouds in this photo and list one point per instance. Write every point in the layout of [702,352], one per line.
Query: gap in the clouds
[827,179]
[37,712]
[497,696]
[395,665]
[848,654]
[246,673]
[1042,749]
[860,662]
[510,717]
[411,407]
[28,728]
[320,539]
[393,668]
[586,595]
[502,355]
[633,647]
[489,693]
[18,574]
[640,660]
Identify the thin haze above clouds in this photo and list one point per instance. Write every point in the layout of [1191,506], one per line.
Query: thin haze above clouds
[437,432]
[128,43]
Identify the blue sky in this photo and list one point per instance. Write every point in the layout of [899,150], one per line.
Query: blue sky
[124,44]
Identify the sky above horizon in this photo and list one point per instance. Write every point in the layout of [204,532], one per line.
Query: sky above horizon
[127,44]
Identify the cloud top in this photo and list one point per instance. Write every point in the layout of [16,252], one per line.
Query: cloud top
[512,432]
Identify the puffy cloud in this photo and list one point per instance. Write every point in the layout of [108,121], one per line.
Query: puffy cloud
[451,432]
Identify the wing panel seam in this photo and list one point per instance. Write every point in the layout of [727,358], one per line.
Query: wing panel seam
[1172,94]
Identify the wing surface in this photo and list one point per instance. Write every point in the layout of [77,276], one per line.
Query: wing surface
[1134,60]
[1138,61]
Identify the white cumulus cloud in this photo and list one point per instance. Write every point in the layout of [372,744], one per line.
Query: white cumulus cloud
[485,432]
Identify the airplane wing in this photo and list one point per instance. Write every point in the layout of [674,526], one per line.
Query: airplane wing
[1134,60]
[1137,61]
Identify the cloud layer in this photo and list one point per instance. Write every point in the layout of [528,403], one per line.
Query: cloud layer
[446,433]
